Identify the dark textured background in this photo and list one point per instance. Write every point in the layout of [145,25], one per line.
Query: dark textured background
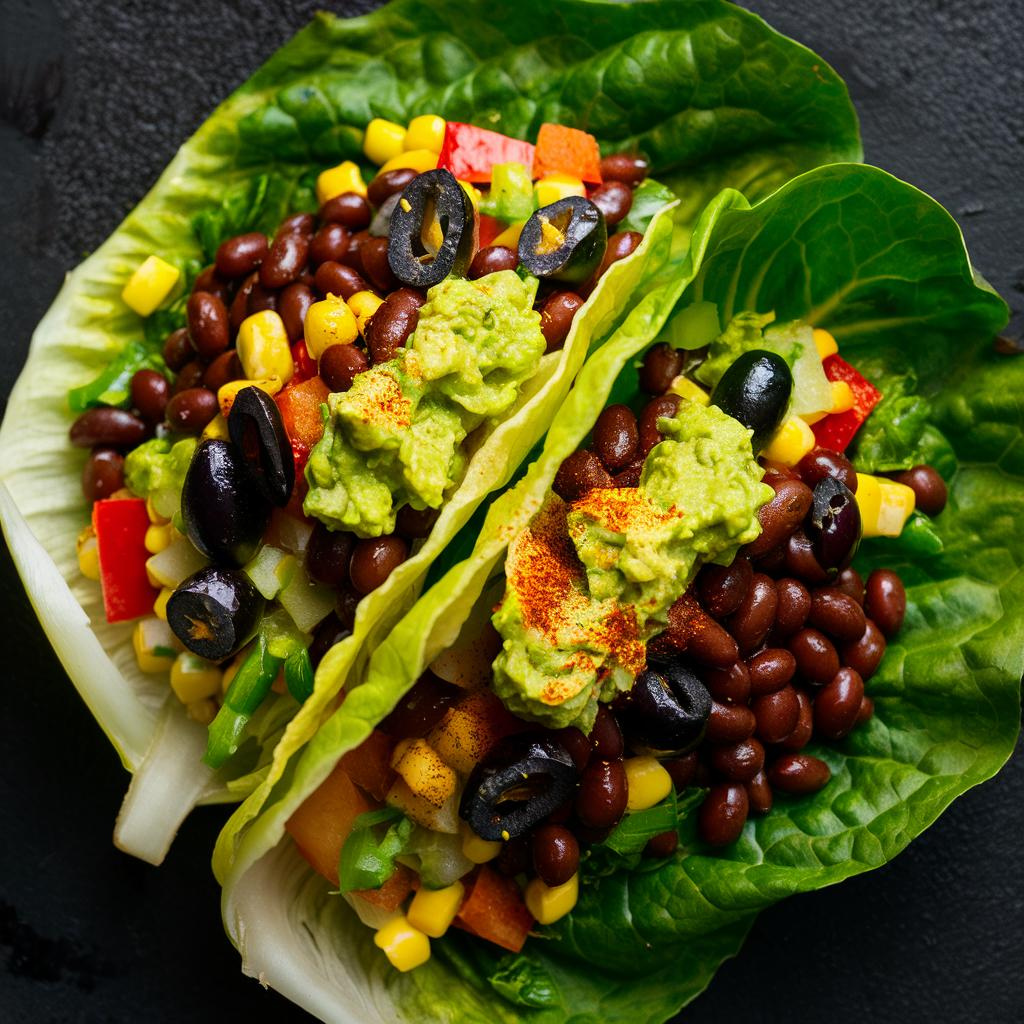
[94,99]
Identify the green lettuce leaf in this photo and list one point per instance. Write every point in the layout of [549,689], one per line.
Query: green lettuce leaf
[883,267]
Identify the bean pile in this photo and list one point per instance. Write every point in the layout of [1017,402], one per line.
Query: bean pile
[342,250]
[782,645]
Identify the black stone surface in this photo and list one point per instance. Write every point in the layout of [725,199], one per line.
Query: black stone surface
[94,99]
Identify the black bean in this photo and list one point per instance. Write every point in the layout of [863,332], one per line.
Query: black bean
[614,199]
[760,794]
[816,658]
[340,364]
[723,814]
[189,376]
[683,770]
[331,631]
[577,745]
[208,280]
[666,406]
[629,168]
[388,184]
[821,462]
[260,298]
[578,474]
[556,318]
[710,643]
[798,773]
[415,524]
[329,243]
[296,224]
[107,426]
[770,670]
[241,255]
[738,762]
[794,605]
[865,654]
[150,392]
[885,601]
[664,844]
[721,588]
[374,559]
[350,209]
[804,728]
[606,736]
[224,369]
[239,308]
[836,707]
[393,323]
[602,794]
[730,723]
[555,853]
[620,245]
[801,561]
[102,474]
[177,350]
[333,278]
[490,259]
[750,623]
[207,324]
[850,582]
[867,709]
[929,488]
[285,261]
[293,305]
[190,410]
[328,554]
[777,714]
[780,516]
[616,436]
[373,253]
[729,685]
[836,614]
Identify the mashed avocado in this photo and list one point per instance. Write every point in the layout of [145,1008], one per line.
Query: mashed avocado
[395,437]
[588,584]
[156,470]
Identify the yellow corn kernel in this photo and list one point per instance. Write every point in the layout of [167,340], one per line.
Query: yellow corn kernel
[154,515]
[227,393]
[406,947]
[151,642]
[885,505]
[433,910]
[263,348]
[329,322]
[425,132]
[648,782]
[217,429]
[383,140]
[510,236]
[88,554]
[557,185]
[824,343]
[478,850]
[363,306]
[690,390]
[202,711]
[473,192]
[791,442]
[336,181]
[418,160]
[843,398]
[150,285]
[194,678]
[158,537]
[160,604]
[547,903]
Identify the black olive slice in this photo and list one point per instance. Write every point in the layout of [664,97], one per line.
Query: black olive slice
[833,524]
[257,431]
[564,241]
[224,509]
[517,786]
[667,709]
[755,390]
[432,230]
[215,612]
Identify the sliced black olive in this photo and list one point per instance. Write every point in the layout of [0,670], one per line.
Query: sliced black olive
[564,241]
[755,390]
[667,709]
[380,226]
[517,786]
[432,230]
[215,612]
[224,509]
[257,431]
[833,524]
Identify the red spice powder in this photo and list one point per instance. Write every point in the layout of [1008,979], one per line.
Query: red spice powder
[380,400]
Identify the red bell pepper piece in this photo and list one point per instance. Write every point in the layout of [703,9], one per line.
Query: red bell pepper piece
[121,525]
[300,413]
[305,364]
[494,909]
[470,152]
[490,228]
[569,151]
[836,430]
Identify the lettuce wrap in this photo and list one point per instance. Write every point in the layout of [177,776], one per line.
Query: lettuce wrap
[721,100]
[883,267]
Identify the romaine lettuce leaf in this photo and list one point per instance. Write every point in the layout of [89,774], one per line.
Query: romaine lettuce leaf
[883,266]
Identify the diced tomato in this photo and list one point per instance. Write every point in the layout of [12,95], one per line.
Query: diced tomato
[303,421]
[494,909]
[837,429]
[470,152]
[569,151]
[369,765]
[323,822]
[121,525]
[490,228]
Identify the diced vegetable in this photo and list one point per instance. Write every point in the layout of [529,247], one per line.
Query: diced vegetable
[511,195]
[509,236]
[568,150]
[470,153]
[227,392]
[336,181]
[790,443]
[262,570]
[194,679]
[158,537]
[555,186]
[368,856]
[494,910]
[155,645]
[836,430]
[383,140]
[478,850]
[468,731]
[405,946]
[364,305]
[648,783]
[172,566]
[308,603]
[424,771]
[150,285]
[289,532]
[423,812]
[824,343]
[121,525]
[329,322]
[369,765]
[88,555]
[885,505]
[425,132]
[550,903]
[433,910]
[300,412]
[490,227]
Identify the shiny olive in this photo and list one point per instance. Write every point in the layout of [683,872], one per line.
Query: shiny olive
[580,239]
[834,525]
[257,431]
[755,390]
[435,205]
[224,509]
[666,710]
[215,612]
[520,782]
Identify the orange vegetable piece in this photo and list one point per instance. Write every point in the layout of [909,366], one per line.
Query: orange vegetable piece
[300,412]
[567,150]
[392,894]
[468,731]
[369,766]
[323,822]
[494,910]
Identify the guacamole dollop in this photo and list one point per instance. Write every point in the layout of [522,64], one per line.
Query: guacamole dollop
[589,583]
[156,470]
[396,436]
